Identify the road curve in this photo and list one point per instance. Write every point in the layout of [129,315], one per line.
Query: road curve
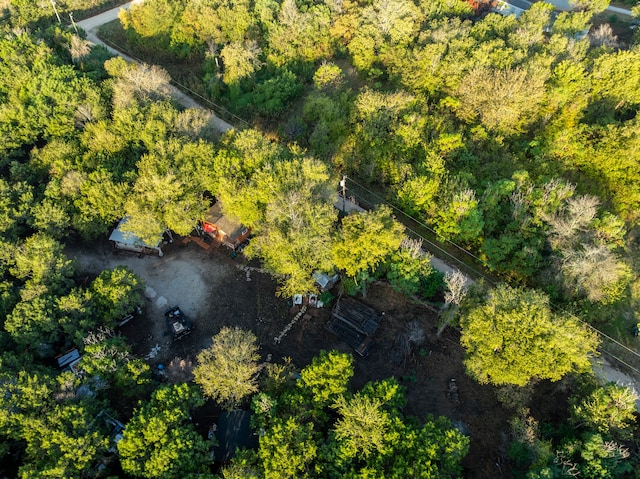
[90,26]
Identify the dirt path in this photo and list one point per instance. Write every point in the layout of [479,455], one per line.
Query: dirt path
[607,373]
[91,25]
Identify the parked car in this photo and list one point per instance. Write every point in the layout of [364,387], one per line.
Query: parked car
[179,324]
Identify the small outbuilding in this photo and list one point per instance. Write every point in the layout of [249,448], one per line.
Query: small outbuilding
[354,323]
[324,281]
[223,228]
[127,241]
[69,361]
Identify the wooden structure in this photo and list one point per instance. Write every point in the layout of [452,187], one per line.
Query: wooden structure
[355,323]
[69,361]
[224,229]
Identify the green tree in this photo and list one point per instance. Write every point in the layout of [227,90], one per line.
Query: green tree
[362,427]
[515,337]
[26,390]
[458,217]
[110,359]
[240,61]
[609,409]
[366,437]
[504,101]
[288,449]
[365,241]
[115,293]
[33,322]
[159,441]
[40,260]
[386,136]
[40,96]
[169,191]
[289,205]
[591,457]
[55,439]
[299,35]
[327,377]
[409,271]
[227,370]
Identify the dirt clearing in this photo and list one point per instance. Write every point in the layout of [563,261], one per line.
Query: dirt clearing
[215,290]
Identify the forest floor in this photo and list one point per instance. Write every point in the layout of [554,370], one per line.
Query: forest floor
[214,290]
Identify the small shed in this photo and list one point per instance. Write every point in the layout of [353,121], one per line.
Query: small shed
[223,228]
[69,361]
[355,323]
[512,7]
[324,281]
[127,241]
[233,433]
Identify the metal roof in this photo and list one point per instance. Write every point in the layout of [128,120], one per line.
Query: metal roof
[128,238]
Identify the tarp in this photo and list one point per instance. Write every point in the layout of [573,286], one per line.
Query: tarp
[223,223]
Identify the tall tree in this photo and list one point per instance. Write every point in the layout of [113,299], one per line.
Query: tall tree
[289,204]
[515,337]
[159,441]
[227,370]
[365,241]
[115,293]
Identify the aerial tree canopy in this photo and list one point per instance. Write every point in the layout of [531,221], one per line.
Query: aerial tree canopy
[227,370]
[159,441]
[365,241]
[515,336]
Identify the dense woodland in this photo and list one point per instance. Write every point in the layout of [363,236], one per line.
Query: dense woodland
[516,138]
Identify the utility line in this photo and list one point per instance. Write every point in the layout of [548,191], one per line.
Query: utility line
[211,103]
[612,340]
[449,255]
[431,243]
[621,361]
[460,248]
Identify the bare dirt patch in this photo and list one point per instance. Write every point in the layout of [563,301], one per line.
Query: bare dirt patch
[214,290]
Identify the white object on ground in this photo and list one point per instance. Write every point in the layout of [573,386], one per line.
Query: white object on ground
[154,352]
[149,292]
[161,301]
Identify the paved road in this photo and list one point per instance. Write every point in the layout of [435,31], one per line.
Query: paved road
[565,5]
[91,25]
[603,370]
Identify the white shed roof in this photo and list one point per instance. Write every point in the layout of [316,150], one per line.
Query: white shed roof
[128,238]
